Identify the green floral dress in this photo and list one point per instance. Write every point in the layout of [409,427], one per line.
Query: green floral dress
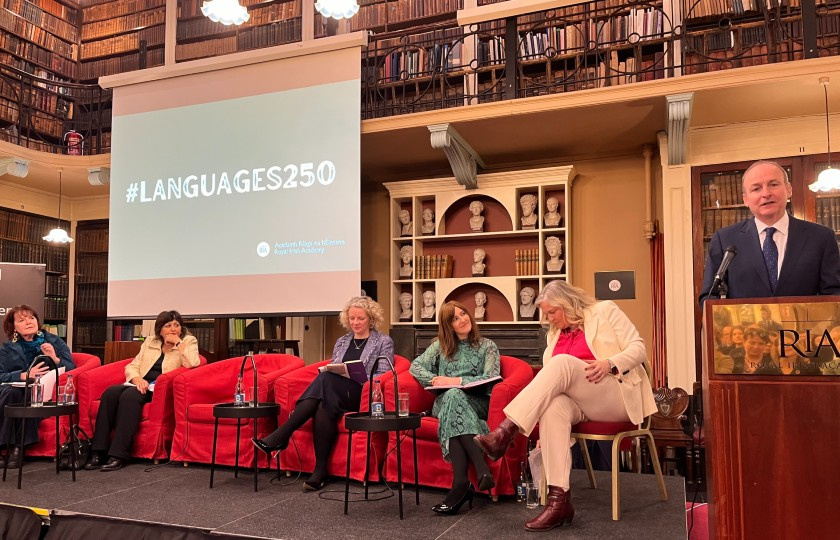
[459,412]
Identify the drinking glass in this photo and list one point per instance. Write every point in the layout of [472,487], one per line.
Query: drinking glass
[403,404]
[532,495]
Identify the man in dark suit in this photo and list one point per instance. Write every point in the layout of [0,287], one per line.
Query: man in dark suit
[803,255]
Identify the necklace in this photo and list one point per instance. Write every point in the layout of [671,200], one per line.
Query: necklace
[360,345]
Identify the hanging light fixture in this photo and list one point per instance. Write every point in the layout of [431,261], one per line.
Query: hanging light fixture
[829,179]
[58,235]
[226,12]
[337,9]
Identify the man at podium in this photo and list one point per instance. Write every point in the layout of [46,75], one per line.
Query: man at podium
[773,253]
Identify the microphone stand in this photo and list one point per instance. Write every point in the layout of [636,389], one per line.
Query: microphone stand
[370,386]
[255,400]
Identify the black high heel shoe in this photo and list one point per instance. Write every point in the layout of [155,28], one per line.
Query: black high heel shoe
[447,510]
[486,482]
[266,448]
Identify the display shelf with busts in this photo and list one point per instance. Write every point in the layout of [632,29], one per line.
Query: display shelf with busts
[439,230]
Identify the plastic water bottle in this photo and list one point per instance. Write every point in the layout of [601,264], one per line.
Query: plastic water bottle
[522,486]
[239,393]
[377,407]
[37,390]
[70,390]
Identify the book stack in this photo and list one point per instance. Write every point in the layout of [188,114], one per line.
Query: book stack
[527,262]
[433,266]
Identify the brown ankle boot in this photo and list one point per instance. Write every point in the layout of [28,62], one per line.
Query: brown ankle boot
[558,511]
[496,443]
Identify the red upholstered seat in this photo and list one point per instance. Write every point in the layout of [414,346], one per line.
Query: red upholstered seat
[197,391]
[154,434]
[300,456]
[434,471]
[46,429]
[603,428]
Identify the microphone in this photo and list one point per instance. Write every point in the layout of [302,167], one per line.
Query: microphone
[255,396]
[728,255]
[373,373]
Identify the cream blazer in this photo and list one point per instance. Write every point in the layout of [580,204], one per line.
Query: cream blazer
[150,352]
[611,336]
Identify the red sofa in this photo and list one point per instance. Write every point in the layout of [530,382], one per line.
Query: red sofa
[300,455]
[157,424]
[46,429]
[197,391]
[436,472]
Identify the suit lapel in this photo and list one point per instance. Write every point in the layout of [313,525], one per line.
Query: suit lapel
[754,253]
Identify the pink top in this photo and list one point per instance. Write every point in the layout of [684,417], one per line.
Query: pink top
[573,342]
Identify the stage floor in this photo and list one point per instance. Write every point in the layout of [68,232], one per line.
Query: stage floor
[179,495]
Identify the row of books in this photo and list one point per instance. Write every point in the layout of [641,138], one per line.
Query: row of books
[92,333]
[828,212]
[17,252]
[433,266]
[399,65]
[268,35]
[723,217]
[47,125]
[93,69]
[59,330]
[37,71]
[374,15]
[710,8]
[110,10]
[271,13]
[192,8]
[38,35]
[116,25]
[92,269]
[9,111]
[57,285]
[17,226]
[205,336]
[203,49]
[47,102]
[62,11]
[55,308]
[35,54]
[422,39]
[92,240]
[92,296]
[526,262]
[10,135]
[123,43]
[722,190]
[37,16]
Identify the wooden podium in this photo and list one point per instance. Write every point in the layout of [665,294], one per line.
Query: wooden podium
[773,435]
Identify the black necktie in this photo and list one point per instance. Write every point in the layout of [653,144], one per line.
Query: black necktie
[771,257]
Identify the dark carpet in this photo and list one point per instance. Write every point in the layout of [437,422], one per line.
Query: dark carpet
[179,495]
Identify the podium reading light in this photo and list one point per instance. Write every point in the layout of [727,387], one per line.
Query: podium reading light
[829,179]
[58,235]
[226,12]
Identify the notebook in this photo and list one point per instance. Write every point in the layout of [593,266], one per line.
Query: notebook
[353,369]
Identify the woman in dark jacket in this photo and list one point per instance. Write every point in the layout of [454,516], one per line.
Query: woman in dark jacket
[26,342]
[331,395]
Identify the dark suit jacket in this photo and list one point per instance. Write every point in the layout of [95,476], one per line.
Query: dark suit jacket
[811,264]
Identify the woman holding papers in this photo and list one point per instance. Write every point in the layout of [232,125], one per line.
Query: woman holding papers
[592,371]
[458,357]
[26,342]
[120,406]
[331,395]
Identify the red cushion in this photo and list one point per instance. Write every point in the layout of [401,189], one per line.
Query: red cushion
[603,428]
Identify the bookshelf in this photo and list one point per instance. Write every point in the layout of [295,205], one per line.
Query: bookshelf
[21,242]
[91,286]
[441,262]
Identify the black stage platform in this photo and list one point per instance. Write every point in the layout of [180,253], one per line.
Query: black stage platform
[180,496]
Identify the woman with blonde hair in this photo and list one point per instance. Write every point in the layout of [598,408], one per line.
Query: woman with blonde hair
[330,395]
[592,371]
[458,356]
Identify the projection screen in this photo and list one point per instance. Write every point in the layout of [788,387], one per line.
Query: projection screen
[236,189]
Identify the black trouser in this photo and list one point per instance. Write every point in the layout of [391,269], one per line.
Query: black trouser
[120,408]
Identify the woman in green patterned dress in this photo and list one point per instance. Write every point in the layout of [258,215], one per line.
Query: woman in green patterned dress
[459,356]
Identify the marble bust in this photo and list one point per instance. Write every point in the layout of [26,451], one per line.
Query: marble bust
[477,220]
[554,247]
[428,225]
[405,222]
[478,262]
[527,307]
[406,255]
[552,217]
[528,202]
[406,300]
[427,312]
[480,301]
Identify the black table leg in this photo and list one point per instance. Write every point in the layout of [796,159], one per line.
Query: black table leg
[416,476]
[346,476]
[236,463]
[399,472]
[74,447]
[367,465]
[213,459]
[256,468]
[6,461]
[20,448]
[57,447]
